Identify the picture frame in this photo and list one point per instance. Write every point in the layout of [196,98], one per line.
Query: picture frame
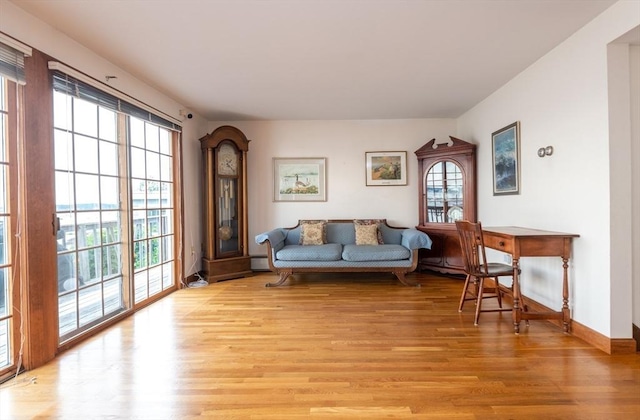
[505,144]
[299,179]
[386,168]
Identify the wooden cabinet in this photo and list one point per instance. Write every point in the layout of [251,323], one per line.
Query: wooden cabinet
[225,244]
[447,192]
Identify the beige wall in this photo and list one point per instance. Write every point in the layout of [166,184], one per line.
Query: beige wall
[343,144]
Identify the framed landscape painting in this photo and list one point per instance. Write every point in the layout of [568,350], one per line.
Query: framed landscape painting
[386,168]
[299,179]
[506,159]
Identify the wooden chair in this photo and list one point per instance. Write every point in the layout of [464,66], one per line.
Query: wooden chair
[478,269]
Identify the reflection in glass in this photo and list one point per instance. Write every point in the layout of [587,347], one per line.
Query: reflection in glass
[444,193]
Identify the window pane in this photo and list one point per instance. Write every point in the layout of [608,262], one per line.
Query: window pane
[4,208]
[109,194]
[113,295]
[155,280]
[141,286]
[3,135]
[139,255]
[167,195]
[154,251]
[167,275]
[63,150]
[65,200]
[67,232]
[153,223]
[166,173]
[68,314]
[167,222]
[111,260]
[167,248]
[139,225]
[90,266]
[88,229]
[137,163]
[5,257]
[165,142]
[85,117]
[5,276]
[108,158]
[110,227]
[66,271]
[153,194]
[90,304]
[5,327]
[89,185]
[139,192]
[62,115]
[153,165]
[108,125]
[86,154]
[136,130]
[152,137]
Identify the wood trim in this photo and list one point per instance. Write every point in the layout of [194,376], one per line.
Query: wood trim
[578,330]
[39,242]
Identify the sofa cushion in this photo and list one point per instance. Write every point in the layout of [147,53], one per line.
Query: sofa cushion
[366,234]
[340,233]
[313,232]
[375,253]
[377,222]
[326,252]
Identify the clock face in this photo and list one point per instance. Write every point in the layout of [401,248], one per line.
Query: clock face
[227,160]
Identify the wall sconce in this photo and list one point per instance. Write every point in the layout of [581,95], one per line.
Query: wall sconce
[545,151]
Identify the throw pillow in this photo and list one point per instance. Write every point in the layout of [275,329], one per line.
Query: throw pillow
[313,232]
[366,234]
[376,222]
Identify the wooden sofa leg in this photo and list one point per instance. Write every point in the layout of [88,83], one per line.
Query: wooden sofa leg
[403,279]
[284,275]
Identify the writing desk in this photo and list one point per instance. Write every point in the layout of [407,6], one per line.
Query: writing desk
[524,242]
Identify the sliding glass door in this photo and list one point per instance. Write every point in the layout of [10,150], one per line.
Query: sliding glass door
[88,170]
[115,208]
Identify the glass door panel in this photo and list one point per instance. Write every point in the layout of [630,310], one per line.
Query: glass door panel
[87,185]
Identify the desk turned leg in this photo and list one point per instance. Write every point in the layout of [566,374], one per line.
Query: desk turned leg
[517,311]
[566,316]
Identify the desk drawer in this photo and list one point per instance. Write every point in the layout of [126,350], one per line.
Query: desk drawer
[497,242]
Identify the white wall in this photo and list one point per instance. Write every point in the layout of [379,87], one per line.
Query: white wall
[634,64]
[344,144]
[561,100]
[39,35]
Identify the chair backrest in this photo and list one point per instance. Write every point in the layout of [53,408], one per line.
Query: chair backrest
[472,244]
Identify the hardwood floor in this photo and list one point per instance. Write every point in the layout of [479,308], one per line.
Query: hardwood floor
[339,346]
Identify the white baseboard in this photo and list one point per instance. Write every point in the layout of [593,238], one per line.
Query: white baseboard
[259,263]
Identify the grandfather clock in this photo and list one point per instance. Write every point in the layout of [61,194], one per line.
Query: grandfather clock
[226,246]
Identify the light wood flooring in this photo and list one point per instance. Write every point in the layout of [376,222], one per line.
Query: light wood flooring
[326,346]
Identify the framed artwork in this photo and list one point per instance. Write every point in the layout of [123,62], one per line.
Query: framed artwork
[386,168]
[506,159]
[299,179]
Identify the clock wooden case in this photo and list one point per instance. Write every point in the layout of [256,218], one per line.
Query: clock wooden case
[447,192]
[225,246]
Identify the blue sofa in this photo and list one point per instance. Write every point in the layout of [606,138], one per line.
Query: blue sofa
[397,254]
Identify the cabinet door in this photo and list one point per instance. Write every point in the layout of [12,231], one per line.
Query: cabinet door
[444,193]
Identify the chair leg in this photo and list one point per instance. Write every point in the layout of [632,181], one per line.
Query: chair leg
[479,300]
[498,293]
[463,298]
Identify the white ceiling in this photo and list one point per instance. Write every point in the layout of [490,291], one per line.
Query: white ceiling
[321,59]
